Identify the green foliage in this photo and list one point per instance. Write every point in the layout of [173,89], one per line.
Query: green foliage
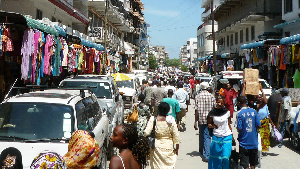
[172,62]
[184,68]
[152,61]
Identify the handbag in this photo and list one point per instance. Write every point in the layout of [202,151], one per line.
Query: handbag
[133,117]
[152,135]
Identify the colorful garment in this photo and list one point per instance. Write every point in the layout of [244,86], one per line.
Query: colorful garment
[11,158]
[83,151]
[220,151]
[144,115]
[229,96]
[48,160]
[264,132]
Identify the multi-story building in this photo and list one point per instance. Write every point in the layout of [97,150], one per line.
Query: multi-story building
[290,18]
[160,54]
[241,22]
[191,47]
[62,11]
[183,55]
[204,45]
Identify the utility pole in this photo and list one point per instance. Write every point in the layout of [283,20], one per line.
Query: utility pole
[105,39]
[213,35]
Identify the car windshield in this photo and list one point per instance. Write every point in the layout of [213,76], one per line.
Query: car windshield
[205,80]
[33,121]
[125,83]
[101,89]
[264,85]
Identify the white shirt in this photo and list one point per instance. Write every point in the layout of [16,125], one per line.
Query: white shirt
[223,129]
[181,96]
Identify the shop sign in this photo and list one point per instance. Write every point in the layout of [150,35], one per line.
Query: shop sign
[96,32]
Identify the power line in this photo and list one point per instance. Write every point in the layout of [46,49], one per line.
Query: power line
[173,28]
[171,11]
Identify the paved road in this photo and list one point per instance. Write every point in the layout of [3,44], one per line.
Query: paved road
[189,157]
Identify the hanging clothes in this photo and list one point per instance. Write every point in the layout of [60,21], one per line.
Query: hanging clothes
[56,58]
[282,58]
[296,79]
[26,52]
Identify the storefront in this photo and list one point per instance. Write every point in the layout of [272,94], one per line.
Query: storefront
[35,53]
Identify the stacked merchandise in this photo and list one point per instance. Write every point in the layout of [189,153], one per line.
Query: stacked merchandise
[252,83]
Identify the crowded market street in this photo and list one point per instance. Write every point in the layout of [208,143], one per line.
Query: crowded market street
[189,156]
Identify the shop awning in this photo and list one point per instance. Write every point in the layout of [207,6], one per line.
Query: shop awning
[290,39]
[253,45]
[224,55]
[92,45]
[128,49]
[287,23]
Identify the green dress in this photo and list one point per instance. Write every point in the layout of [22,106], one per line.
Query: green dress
[144,115]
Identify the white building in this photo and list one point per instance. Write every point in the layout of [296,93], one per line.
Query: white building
[204,45]
[183,55]
[290,16]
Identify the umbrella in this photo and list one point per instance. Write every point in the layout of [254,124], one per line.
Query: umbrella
[120,77]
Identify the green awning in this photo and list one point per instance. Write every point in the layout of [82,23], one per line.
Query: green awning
[34,24]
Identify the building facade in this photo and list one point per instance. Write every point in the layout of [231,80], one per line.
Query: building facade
[241,22]
[160,54]
[188,52]
[125,24]
[183,55]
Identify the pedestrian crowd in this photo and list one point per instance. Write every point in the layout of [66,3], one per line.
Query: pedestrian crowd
[162,107]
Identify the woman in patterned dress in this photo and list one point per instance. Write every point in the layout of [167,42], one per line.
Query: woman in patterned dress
[144,115]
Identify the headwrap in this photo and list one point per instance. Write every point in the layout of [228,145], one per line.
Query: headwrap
[48,159]
[11,158]
[217,112]
[83,150]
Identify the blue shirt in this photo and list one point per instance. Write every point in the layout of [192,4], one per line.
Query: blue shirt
[263,112]
[248,121]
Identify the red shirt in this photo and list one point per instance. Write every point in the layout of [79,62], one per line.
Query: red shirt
[192,82]
[229,96]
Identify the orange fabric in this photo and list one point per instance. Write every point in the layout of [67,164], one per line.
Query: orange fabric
[83,151]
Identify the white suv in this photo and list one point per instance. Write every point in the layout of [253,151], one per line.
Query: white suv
[44,120]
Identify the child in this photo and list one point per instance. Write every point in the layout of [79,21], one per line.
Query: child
[134,150]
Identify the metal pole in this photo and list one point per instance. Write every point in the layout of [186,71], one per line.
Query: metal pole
[105,39]
[213,35]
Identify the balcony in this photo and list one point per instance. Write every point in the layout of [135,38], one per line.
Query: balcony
[204,15]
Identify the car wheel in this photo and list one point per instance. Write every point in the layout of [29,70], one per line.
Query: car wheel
[295,141]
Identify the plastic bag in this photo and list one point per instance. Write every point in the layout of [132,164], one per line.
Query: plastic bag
[273,139]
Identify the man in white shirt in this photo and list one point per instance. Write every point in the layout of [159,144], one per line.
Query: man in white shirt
[182,97]
[170,86]
[285,112]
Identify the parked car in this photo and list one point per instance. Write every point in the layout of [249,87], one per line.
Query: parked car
[128,89]
[44,120]
[106,90]
[293,127]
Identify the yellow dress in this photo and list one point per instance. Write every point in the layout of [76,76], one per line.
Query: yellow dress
[166,136]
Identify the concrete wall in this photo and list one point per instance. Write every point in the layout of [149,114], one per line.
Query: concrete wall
[291,15]
[29,7]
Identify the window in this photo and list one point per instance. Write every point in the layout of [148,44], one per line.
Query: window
[252,33]
[231,40]
[288,6]
[247,34]
[287,34]
[241,36]
[53,19]
[39,14]
[236,38]
[228,40]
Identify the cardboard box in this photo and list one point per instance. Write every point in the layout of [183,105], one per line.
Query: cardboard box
[252,88]
[251,75]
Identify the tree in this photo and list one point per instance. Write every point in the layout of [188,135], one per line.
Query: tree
[172,62]
[184,68]
[152,61]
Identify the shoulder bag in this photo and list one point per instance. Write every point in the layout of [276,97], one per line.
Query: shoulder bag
[152,135]
[133,117]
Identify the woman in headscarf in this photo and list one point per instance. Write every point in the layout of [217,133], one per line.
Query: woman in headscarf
[220,149]
[83,151]
[11,158]
[48,159]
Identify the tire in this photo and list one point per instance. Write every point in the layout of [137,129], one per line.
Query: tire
[295,140]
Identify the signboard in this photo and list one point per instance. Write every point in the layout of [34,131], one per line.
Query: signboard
[96,32]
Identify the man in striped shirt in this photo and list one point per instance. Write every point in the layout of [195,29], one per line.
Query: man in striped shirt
[204,102]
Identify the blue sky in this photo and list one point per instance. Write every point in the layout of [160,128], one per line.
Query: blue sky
[172,22]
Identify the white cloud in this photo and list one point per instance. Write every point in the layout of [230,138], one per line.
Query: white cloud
[162,12]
